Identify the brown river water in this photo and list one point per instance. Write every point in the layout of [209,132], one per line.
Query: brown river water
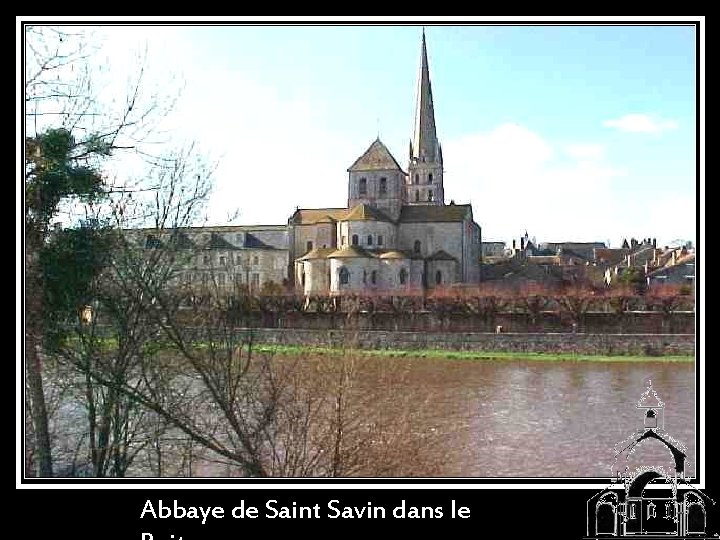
[541,419]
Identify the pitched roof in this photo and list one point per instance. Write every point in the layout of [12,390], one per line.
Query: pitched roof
[364,212]
[350,252]
[317,253]
[650,398]
[218,242]
[393,254]
[375,158]
[311,216]
[421,212]
[441,255]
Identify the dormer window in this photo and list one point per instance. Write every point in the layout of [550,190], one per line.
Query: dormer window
[362,186]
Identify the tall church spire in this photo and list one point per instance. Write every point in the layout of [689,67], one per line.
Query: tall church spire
[424,183]
[425,146]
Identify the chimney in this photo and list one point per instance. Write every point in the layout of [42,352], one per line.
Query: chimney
[522,242]
[513,244]
[655,242]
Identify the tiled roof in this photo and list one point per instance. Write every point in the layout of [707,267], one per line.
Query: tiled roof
[364,212]
[424,213]
[375,158]
[317,253]
[218,242]
[350,252]
[393,254]
[310,216]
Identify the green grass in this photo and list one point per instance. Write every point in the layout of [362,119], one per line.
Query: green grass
[295,350]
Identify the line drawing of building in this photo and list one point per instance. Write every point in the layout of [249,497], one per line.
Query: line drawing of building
[647,501]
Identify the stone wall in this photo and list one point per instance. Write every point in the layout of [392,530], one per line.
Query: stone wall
[614,344]
[640,322]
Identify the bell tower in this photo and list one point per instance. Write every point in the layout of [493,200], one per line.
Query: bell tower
[424,183]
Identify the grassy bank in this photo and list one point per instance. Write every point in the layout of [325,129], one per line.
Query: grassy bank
[298,350]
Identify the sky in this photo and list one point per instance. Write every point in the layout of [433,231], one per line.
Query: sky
[582,133]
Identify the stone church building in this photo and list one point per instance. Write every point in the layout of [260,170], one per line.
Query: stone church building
[396,232]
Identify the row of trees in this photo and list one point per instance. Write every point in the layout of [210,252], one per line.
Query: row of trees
[485,301]
[115,383]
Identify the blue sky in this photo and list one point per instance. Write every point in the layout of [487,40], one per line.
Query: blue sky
[583,133]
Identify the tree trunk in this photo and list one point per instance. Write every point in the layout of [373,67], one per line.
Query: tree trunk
[33,361]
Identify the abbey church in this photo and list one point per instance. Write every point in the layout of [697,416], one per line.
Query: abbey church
[396,232]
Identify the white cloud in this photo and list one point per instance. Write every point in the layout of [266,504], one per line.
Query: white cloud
[591,152]
[518,180]
[641,123]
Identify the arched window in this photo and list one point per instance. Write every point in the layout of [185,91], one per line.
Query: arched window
[416,246]
[344,276]
[417,196]
[438,277]
[383,186]
[355,240]
[373,277]
[380,239]
[430,195]
[430,178]
[369,240]
[417,178]
[403,276]
[362,186]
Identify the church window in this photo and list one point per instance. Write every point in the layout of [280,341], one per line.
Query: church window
[416,246]
[369,240]
[380,239]
[383,186]
[417,178]
[344,276]
[651,510]
[355,240]
[373,277]
[362,186]
[417,196]
[309,245]
[430,195]
[430,178]
[403,276]
[438,277]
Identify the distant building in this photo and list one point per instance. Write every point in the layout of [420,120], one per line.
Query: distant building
[493,249]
